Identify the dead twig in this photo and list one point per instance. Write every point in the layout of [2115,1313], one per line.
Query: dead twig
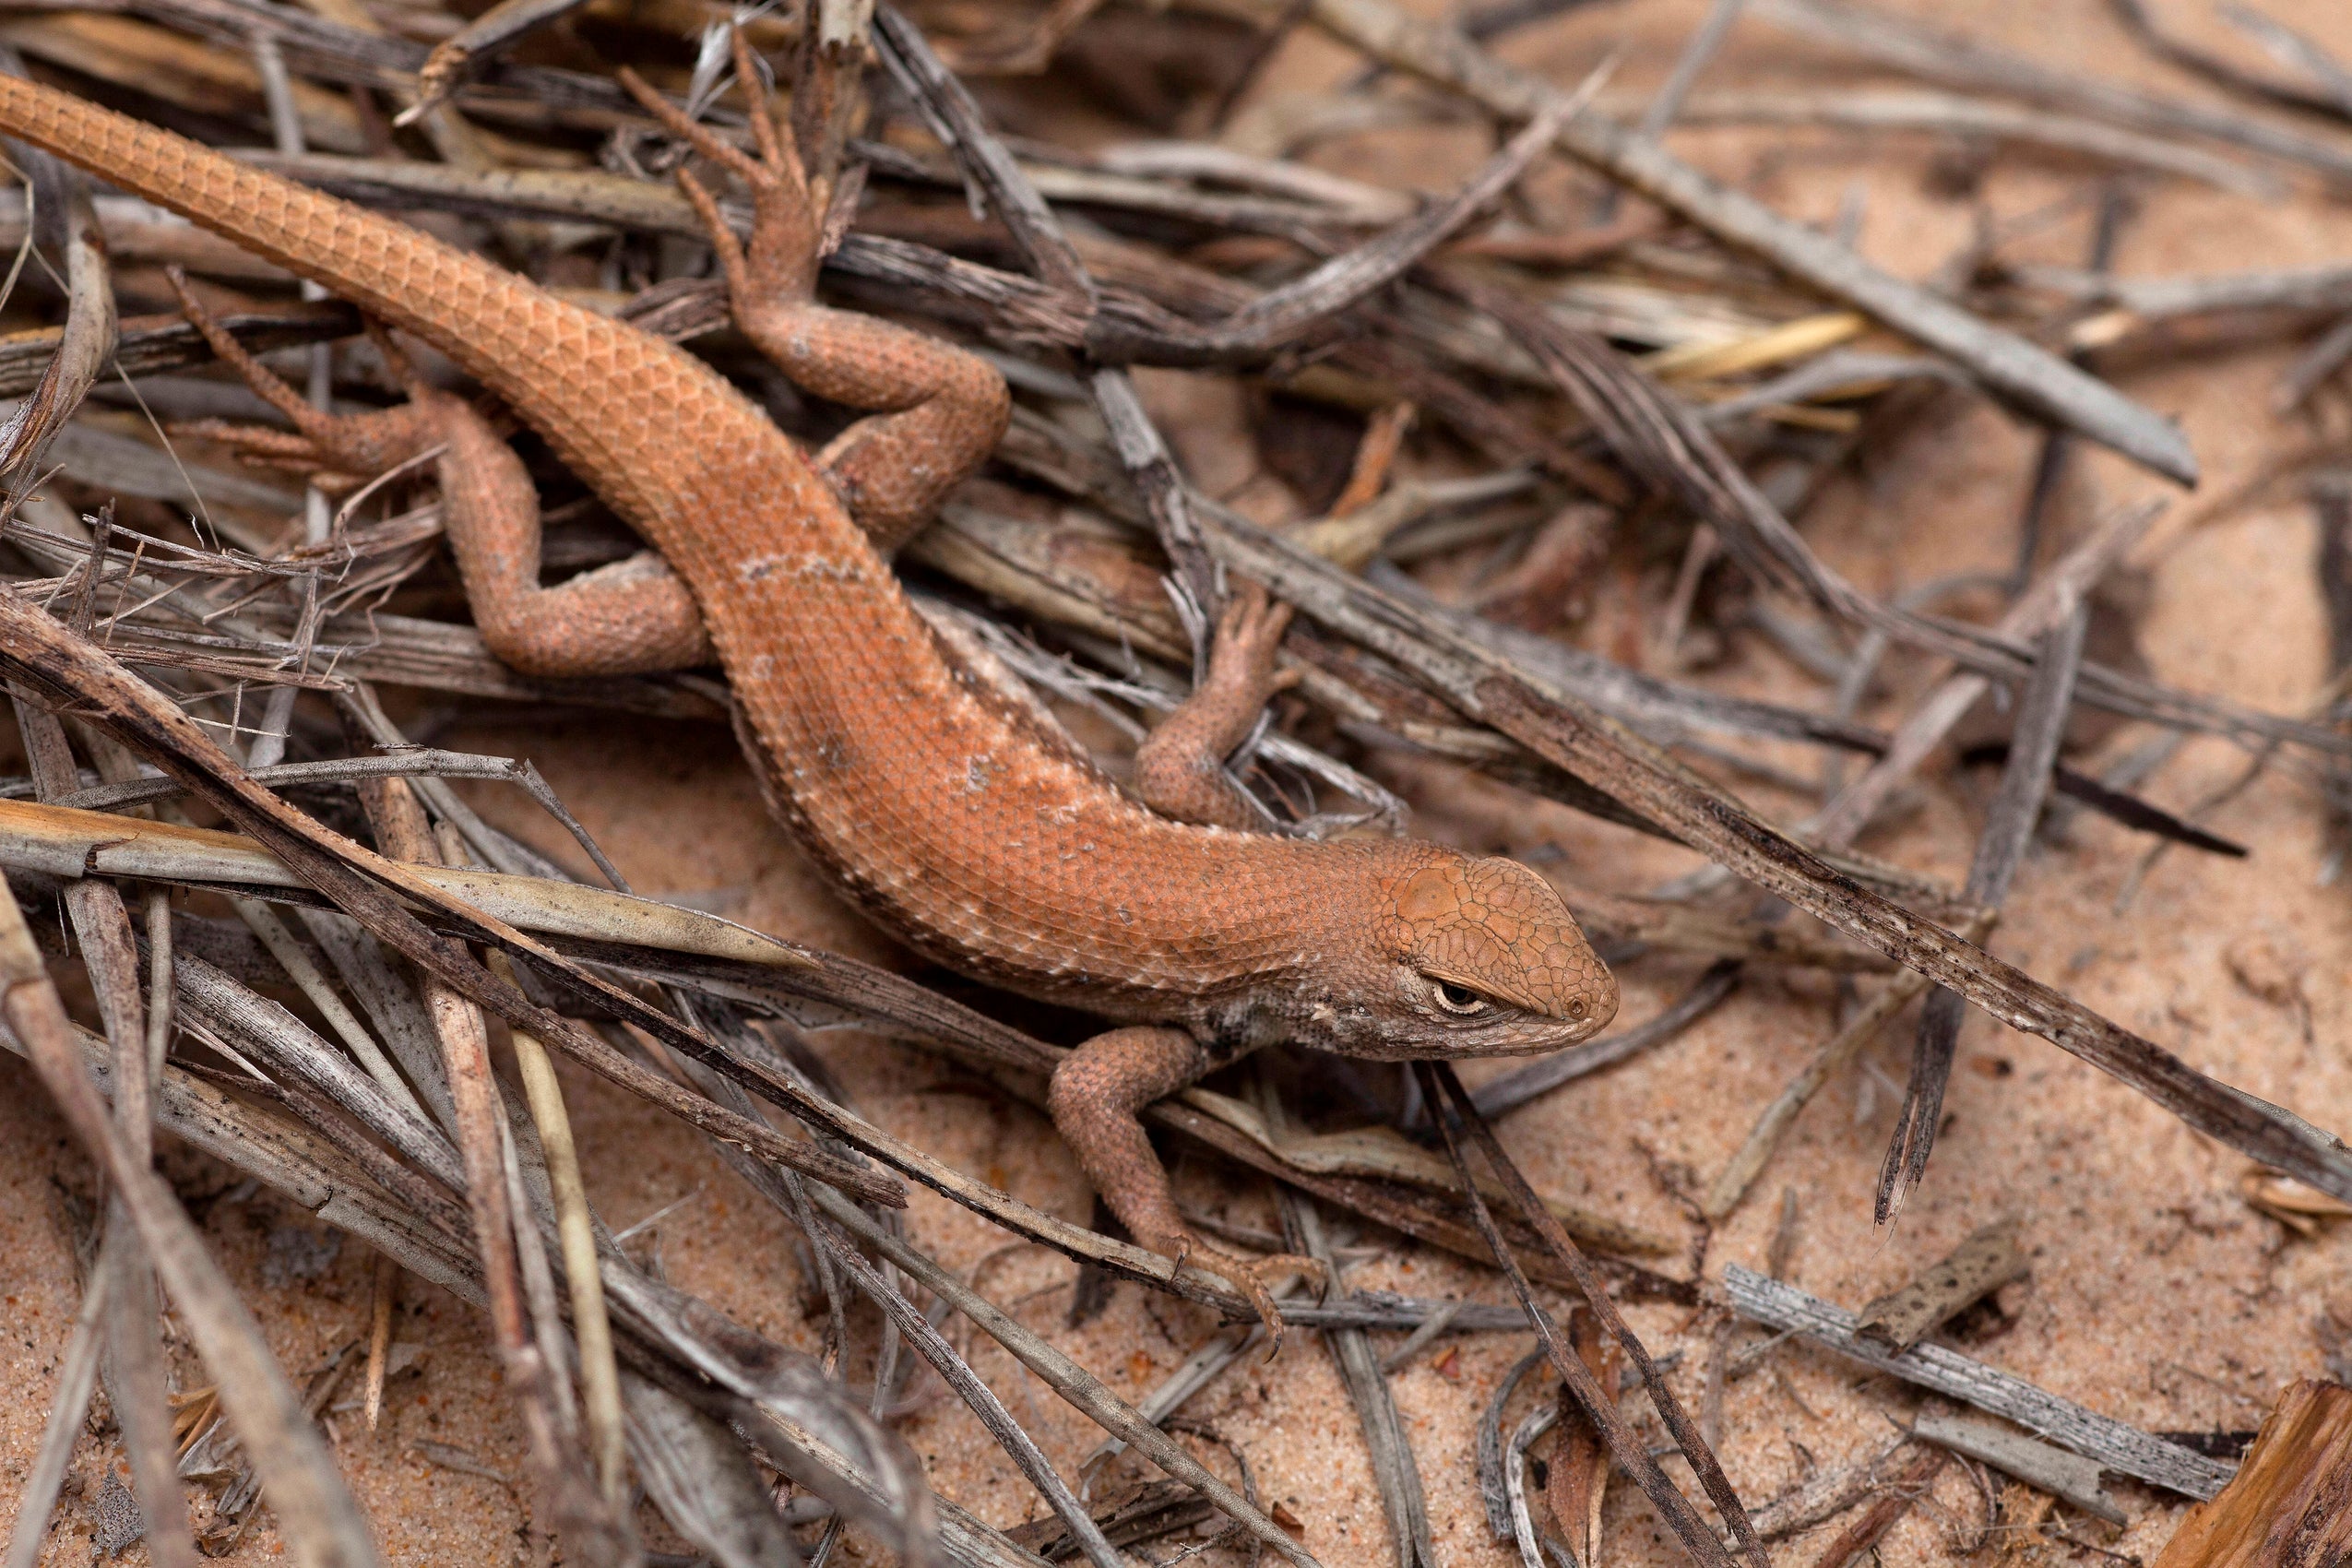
[2068,1477]
[1458,1119]
[2291,1500]
[1940,57]
[2009,827]
[2007,364]
[2111,1442]
[312,1506]
[1989,1259]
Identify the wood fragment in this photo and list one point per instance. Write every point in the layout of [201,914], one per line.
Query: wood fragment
[1989,1259]
[576,1224]
[384,1293]
[2290,1504]
[2290,1203]
[1514,1483]
[1904,1491]
[454,57]
[1490,1440]
[2067,1476]
[1578,1482]
[1782,1250]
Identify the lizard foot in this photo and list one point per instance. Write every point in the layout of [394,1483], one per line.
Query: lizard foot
[1259,1278]
[1249,635]
[326,446]
[779,265]
[1179,767]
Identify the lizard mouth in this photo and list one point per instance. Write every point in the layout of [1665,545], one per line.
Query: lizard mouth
[1533,1036]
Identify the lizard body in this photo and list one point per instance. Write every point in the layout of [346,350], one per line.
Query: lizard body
[937,809]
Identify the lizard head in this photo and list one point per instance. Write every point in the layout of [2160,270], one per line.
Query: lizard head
[1466,955]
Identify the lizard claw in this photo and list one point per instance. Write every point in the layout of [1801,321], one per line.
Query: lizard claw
[1260,1275]
[781,262]
[1258,1278]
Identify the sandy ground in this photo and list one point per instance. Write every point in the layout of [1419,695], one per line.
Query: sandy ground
[2155,1294]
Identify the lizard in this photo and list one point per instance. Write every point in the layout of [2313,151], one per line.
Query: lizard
[948,815]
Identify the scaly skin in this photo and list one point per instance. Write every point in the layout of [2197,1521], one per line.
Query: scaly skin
[934,808]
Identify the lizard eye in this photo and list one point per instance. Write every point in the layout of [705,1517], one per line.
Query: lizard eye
[1460,1000]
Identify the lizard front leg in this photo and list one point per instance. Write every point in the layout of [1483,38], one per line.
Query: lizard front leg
[1095,1094]
[632,618]
[940,410]
[1179,768]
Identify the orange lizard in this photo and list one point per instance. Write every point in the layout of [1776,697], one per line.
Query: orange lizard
[952,817]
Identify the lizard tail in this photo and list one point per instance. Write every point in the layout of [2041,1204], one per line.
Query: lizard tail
[591,385]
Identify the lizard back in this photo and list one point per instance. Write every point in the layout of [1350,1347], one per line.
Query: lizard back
[927,805]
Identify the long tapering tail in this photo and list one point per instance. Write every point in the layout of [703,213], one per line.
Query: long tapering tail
[587,383]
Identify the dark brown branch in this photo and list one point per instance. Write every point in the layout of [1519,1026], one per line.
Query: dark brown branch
[2009,827]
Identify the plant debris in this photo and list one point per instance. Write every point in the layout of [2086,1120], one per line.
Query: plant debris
[2291,1502]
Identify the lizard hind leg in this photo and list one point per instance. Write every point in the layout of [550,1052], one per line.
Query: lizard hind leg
[631,618]
[937,411]
[1094,1096]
